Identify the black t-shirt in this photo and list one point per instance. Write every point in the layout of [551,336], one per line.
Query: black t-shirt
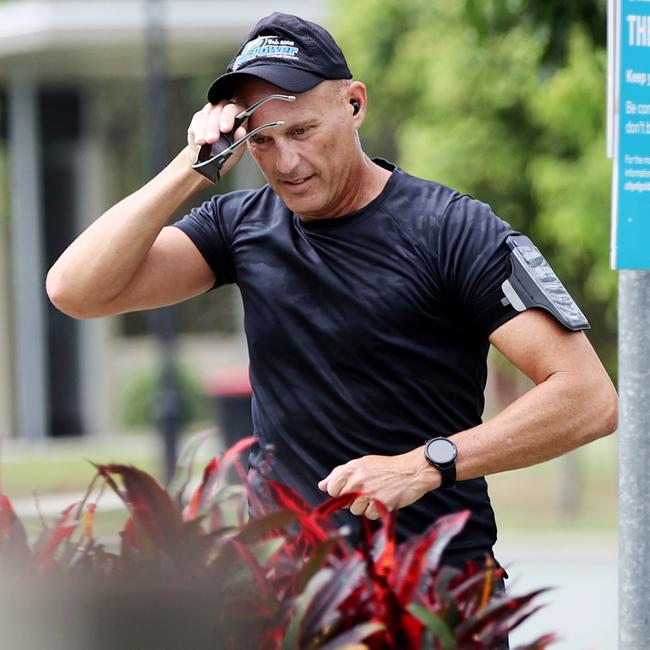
[367,333]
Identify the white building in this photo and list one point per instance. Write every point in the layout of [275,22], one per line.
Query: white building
[58,171]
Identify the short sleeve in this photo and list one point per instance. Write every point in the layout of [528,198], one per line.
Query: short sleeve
[473,261]
[209,226]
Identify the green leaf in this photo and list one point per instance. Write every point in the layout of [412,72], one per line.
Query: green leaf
[428,639]
[256,529]
[352,638]
[435,624]
[323,611]
[264,551]
[183,470]
[290,641]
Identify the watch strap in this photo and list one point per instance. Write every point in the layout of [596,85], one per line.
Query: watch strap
[448,474]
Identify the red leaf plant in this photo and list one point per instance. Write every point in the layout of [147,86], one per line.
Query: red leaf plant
[286,579]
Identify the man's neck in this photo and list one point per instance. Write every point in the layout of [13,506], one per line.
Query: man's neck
[367,180]
[373,179]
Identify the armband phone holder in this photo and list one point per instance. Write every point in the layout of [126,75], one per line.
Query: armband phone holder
[212,157]
[532,283]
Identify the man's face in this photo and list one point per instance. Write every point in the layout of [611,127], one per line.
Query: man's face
[309,162]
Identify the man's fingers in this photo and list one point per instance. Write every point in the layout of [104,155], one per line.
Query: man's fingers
[372,511]
[365,506]
[209,124]
[335,487]
[221,119]
[212,130]
[334,483]
[239,133]
[199,122]
[359,505]
[212,120]
[227,117]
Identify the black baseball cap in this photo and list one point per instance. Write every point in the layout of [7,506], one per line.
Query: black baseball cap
[287,51]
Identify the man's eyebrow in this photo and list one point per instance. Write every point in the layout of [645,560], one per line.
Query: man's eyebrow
[290,126]
[300,124]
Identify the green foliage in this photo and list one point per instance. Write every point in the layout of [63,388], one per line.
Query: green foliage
[553,20]
[571,183]
[504,100]
[139,399]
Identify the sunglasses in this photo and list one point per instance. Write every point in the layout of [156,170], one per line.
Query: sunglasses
[212,157]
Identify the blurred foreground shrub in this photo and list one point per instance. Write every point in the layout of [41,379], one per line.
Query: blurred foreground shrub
[183,576]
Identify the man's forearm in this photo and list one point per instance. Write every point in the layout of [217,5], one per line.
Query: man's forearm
[556,416]
[100,263]
[562,412]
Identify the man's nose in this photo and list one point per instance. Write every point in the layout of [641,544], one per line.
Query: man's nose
[287,158]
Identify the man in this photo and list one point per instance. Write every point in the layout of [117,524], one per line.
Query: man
[370,297]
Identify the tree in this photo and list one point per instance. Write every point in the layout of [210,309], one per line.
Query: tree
[504,100]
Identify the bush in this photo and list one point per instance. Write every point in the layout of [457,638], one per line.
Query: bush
[185,577]
[138,400]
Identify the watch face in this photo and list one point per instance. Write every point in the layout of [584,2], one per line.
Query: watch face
[441,451]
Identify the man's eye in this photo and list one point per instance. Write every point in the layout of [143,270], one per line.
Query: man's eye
[300,131]
[258,142]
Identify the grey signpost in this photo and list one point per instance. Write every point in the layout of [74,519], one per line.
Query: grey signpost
[168,408]
[629,144]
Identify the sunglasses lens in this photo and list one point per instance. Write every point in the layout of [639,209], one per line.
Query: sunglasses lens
[208,151]
[205,153]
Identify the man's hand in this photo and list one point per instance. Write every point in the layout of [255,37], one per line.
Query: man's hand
[207,126]
[396,481]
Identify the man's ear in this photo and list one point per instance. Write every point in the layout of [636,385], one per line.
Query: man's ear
[357,97]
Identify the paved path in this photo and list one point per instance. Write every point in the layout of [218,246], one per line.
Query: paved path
[583,607]
[52,505]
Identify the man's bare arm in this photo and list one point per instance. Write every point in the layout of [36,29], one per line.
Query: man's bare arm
[127,259]
[572,403]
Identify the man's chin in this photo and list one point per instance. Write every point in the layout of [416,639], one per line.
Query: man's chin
[302,204]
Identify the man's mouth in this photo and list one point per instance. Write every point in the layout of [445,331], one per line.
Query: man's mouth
[297,182]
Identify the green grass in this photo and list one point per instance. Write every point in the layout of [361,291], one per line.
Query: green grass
[530,499]
[66,465]
[40,476]
[106,526]
[525,500]
[62,467]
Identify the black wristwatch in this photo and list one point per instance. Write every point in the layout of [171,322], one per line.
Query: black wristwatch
[441,453]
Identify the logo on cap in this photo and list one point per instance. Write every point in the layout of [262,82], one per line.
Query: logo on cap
[266,46]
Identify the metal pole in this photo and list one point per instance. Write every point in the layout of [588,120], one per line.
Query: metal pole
[634,459]
[27,274]
[168,408]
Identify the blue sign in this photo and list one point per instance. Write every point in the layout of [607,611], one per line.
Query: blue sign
[631,200]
